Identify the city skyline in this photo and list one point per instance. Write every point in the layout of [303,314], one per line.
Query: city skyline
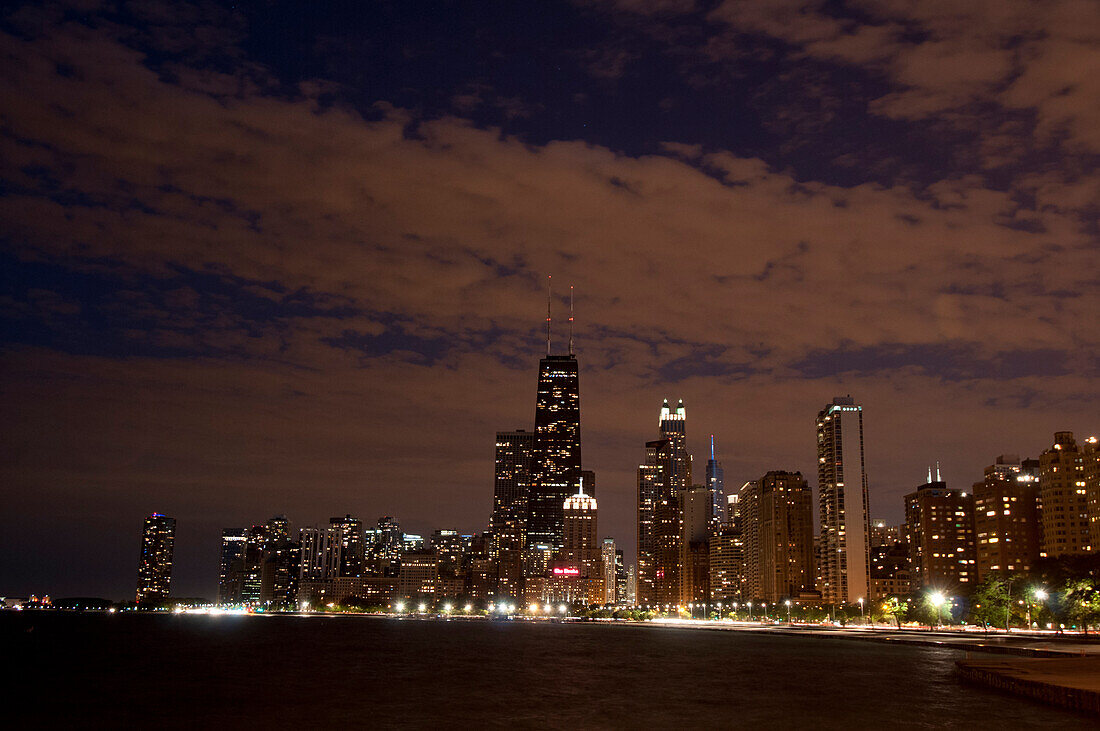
[291,260]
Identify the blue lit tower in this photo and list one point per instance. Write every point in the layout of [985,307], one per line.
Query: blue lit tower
[557,469]
[716,485]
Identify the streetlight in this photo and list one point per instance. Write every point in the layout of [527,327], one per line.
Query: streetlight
[423,606]
[469,608]
[764,606]
[749,605]
[447,608]
[937,598]
[788,603]
[862,616]
[1040,595]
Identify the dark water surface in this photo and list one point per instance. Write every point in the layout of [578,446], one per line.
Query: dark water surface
[192,671]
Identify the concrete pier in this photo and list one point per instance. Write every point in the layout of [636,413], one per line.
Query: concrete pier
[1068,682]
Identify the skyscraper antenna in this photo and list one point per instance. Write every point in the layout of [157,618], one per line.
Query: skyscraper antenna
[938,478]
[711,447]
[570,319]
[549,295]
[929,473]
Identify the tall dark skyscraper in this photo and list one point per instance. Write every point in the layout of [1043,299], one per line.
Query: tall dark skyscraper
[557,444]
[232,557]
[514,475]
[716,485]
[349,536]
[158,540]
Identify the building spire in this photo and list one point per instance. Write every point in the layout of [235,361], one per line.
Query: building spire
[938,478]
[712,448]
[929,473]
[570,319]
[549,295]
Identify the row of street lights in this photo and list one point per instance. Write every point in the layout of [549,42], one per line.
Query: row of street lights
[501,608]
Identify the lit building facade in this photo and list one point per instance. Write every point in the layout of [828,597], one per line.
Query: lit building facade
[727,563]
[514,476]
[843,503]
[158,540]
[649,482]
[1006,516]
[940,522]
[418,575]
[671,457]
[1092,489]
[1064,496]
[557,449]
[776,514]
[609,566]
[349,539]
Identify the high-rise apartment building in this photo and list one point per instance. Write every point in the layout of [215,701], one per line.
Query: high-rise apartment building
[843,503]
[716,485]
[1006,516]
[1064,496]
[609,567]
[1092,489]
[649,487]
[940,522]
[776,514]
[158,538]
[727,563]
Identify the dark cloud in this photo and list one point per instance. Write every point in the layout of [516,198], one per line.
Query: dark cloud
[255,266]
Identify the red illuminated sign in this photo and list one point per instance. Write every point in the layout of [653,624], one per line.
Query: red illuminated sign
[567,572]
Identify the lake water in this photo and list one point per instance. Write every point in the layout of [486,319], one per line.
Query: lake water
[194,671]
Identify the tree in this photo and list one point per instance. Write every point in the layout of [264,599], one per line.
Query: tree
[896,608]
[991,600]
[1081,601]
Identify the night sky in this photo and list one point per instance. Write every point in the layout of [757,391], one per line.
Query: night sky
[278,257]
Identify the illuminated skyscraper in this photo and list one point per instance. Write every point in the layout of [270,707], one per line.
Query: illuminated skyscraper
[842,503]
[1064,495]
[158,540]
[716,485]
[670,457]
[649,481]
[577,574]
[557,444]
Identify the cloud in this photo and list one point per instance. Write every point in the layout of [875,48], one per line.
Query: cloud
[224,299]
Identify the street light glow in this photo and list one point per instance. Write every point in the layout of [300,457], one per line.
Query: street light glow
[937,598]
[1040,594]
